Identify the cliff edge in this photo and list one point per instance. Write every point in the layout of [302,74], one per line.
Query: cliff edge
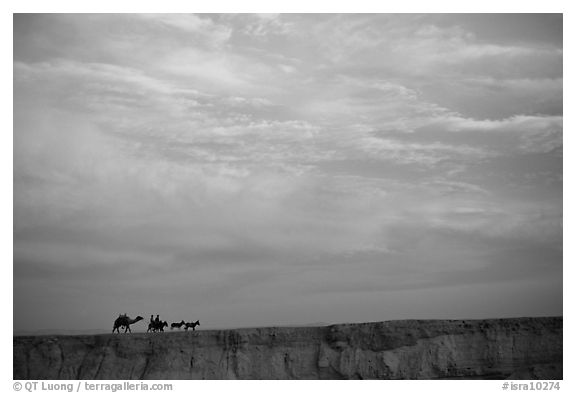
[518,348]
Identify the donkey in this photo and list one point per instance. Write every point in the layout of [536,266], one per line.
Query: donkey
[192,325]
[177,325]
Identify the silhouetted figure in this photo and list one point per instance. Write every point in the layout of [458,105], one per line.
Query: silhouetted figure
[192,325]
[157,326]
[177,325]
[157,320]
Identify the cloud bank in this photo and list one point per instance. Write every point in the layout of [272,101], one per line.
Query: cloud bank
[286,168]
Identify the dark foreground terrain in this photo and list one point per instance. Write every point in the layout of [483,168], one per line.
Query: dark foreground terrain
[519,348]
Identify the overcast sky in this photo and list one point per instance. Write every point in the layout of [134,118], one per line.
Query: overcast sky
[252,170]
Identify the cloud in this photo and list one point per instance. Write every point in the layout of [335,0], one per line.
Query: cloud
[419,153]
[250,160]
[98,85]
[532,134]
[262,26]
[409,44]
[212,33]
[526,222]
[446,187]
[519,123]
[497,97]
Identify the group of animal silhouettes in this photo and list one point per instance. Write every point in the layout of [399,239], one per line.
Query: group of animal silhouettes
[156,325]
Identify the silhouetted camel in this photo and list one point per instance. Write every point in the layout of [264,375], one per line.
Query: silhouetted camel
[157,326]
[125,321]
[177,325]
[192,325]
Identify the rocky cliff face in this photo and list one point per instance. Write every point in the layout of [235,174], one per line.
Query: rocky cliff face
[520,348]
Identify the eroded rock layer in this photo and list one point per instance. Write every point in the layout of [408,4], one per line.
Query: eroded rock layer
[519,348]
